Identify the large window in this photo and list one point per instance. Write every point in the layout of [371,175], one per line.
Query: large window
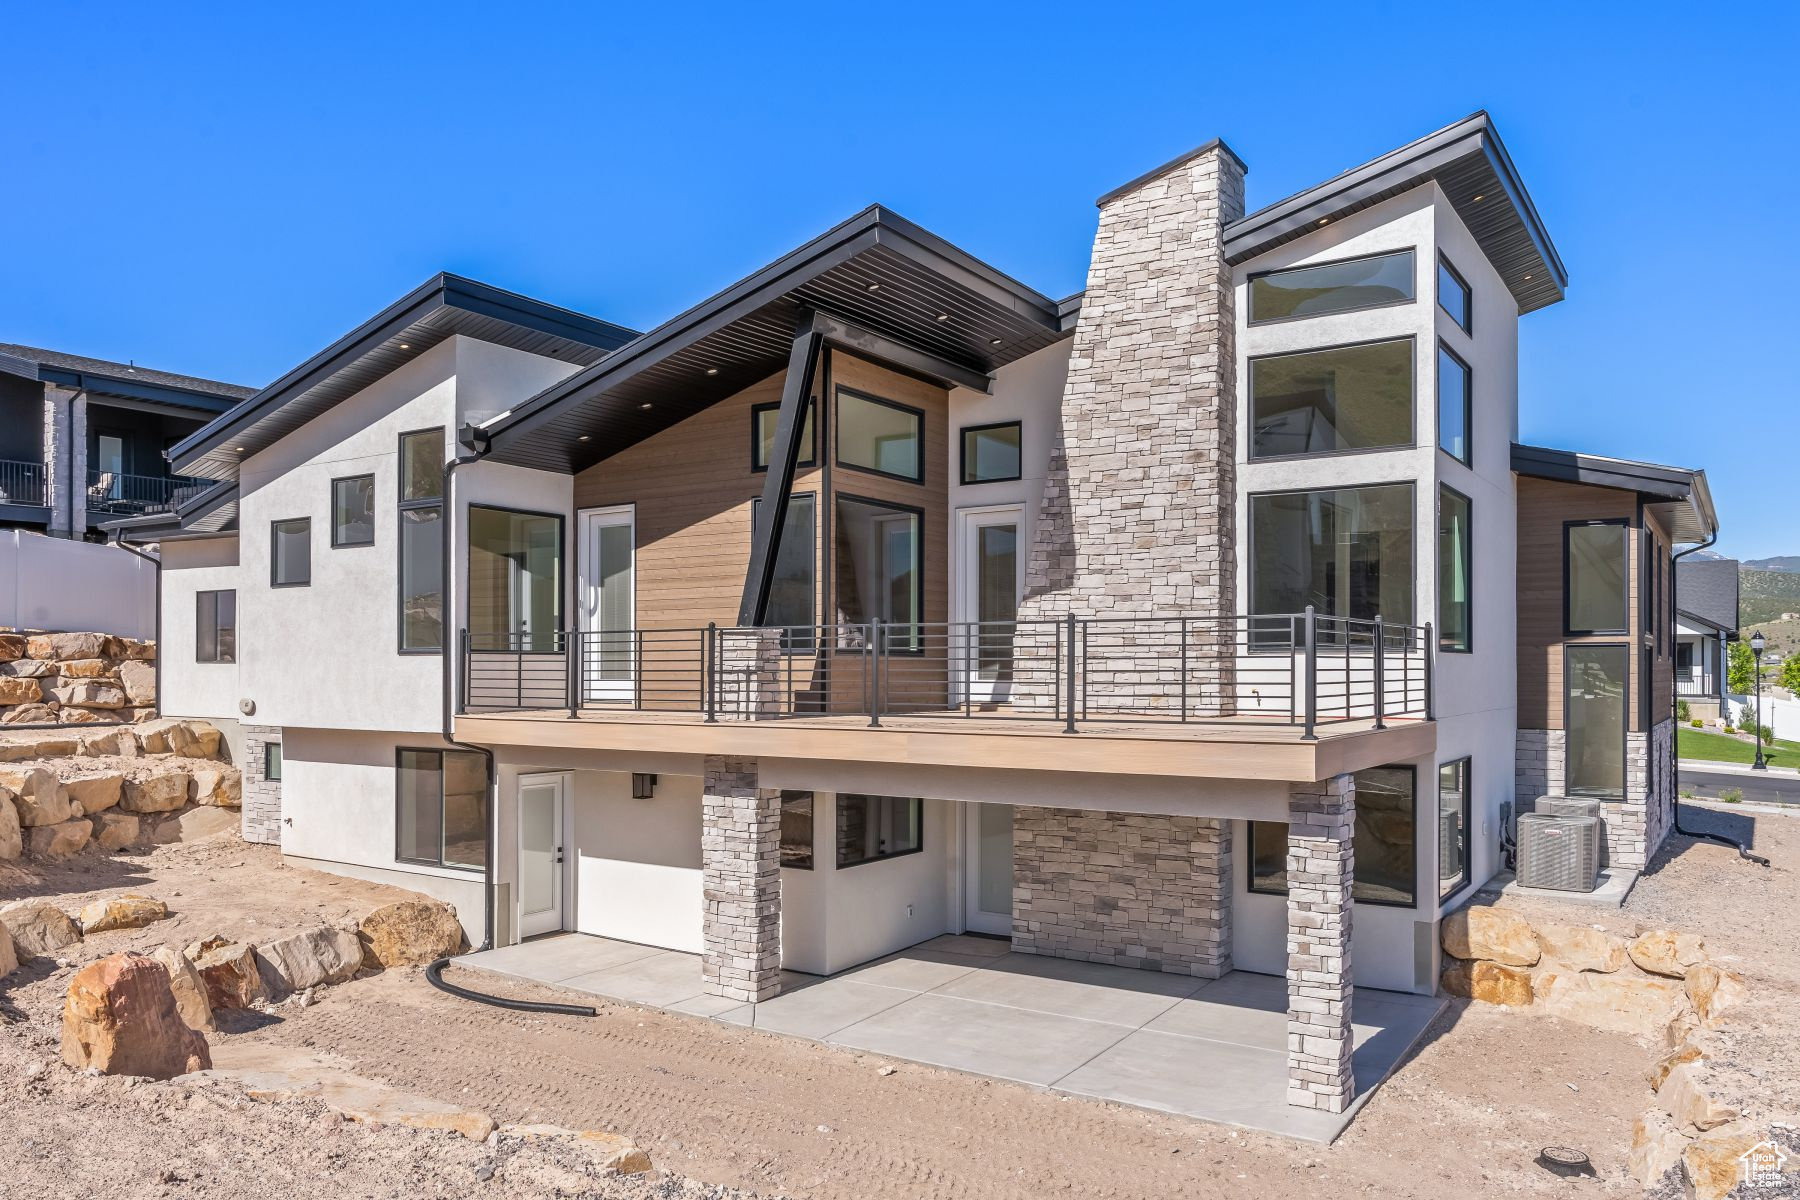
[1594,714]
[880,436]
[1455,405]
[762,436]
[215,627]
[793,592]
[1384,839]
[879,568]
[440,808]
[1595,571]
[421,541]
[1456,617]
[797,830]
[1318,401]
[876,827]
[990,453]
[290,552]
[353,511]
[1453,826]
[1332,287]
[1348,552]
[515,580]
[1453,294]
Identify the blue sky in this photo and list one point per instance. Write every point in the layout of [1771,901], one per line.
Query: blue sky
[222,191]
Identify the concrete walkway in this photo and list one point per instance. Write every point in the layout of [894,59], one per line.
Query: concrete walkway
[1214,1050]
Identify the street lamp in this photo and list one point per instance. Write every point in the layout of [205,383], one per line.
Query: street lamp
[1757,642]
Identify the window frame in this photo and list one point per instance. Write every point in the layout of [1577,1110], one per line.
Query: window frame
[199,624]
[837,434]
[487,802]
[791,796]
[1413,882]
[401,506]
[1412,400]
[562,558]
[280,761]
[962,438]
[1250,287]
[788,645]
[1624,721]
[919,623]
[811,458]
[1469,567]
[274,559]
[1467,765]
[1624,579]
[1467,324]
[838,862]
[1250,498]
[343,545]
[1467,459]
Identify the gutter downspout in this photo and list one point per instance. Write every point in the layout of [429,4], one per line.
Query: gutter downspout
[118,539]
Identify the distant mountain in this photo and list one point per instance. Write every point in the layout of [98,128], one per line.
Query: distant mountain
[1785,564]
[1702,556]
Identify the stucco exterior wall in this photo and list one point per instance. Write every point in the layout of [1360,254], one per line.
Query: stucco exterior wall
[191,688]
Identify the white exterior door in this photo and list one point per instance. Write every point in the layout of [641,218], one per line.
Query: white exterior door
[988,843]
[991,580]
[608,605]
[542,800]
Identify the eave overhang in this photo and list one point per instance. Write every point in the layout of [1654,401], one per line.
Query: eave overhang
[1679,495]
[205,514]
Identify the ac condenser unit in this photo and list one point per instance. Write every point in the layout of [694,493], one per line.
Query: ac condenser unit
[1565,806]
[1450,843]
[1560,853]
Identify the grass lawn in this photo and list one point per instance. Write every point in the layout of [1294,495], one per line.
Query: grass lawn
[1695,744]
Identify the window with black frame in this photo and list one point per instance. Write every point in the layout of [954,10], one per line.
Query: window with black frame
[515,580]
[215,632]
[1453,295]
[1596,678]
[991,453]
[1347,552]
[1325,401]
[880,436]
[1372,281]
[1453,826]
[1596,566]
[353,511]
[1456,543]
[440,808]
[1384,840]
[797,830]
[879,568]
[1456,405]
[421,511]
[762,436]
[871,828]
[793,592]
[290,552]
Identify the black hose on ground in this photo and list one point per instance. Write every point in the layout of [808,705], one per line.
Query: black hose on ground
[1758,859]
[434,975]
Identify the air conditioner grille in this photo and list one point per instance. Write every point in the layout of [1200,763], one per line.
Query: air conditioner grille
[1560,853]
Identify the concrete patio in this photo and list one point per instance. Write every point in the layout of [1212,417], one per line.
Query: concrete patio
[1215,1050]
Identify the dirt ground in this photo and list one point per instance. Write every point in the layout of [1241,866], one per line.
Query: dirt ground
[725,1111]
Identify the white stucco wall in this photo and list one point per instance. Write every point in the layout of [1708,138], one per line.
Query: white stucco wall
[191,688]
[636,863]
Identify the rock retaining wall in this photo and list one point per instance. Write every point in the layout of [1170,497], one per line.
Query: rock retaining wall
[75,679]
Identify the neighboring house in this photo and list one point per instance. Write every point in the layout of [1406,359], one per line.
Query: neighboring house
[1706,620]
[83,441]
[880,596]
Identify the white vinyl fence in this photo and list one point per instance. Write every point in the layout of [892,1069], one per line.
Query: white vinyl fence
[58,584]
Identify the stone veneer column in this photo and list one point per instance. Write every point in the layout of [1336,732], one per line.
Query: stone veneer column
[1320,866]
[261,816]
[740,869]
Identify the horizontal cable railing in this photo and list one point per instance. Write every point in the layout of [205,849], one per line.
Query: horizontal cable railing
[117,492]
[1301,669]
[22,483]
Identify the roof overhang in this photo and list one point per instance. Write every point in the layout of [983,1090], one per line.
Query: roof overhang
[136,394]
[906,298]
[1467,161]
[207,513]
[435,311]
[1683,616]
[1678,495]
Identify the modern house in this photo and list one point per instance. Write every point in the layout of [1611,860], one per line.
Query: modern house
[1169,625]
[83,441]
[1706,621]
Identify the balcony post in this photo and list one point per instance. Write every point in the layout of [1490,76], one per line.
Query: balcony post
[709,673]
[462,693]
[1430,675]
[875,653]
[1312,671]
[572,666]
[1076,666]
[1380,673]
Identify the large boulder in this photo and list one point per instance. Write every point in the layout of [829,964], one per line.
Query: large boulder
[1666,952]
[189,988]
[139,682]
[1712,991]
[187,738]
[163,791]
[39,795]
[1685,1053]
[194,825]
[1582,948]
[1622,1003]
[1688,1099]
[117,741]
[95,791]
[88,716]
[612,1152]
[410,933]
[17,690]
[1490,933]
[137,651]
[12,841]
[27,714]
[9,954]
[37,743]
[128,910]
[64,646]
[88,693]
[220,785]
[1489,982]
[38,927]
[229,969]
[12,646]
[120,1018]
[308,959]
[85,668]
[1714,1164]
[115,830]
[54,843]
[27,668]
[1656,1147]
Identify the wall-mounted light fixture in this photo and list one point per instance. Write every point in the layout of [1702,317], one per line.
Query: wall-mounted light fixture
[643,787]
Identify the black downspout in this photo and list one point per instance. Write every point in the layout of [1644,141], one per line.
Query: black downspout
[156,560]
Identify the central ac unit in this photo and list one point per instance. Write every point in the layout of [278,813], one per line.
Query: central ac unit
[1565,806]
[1560,853]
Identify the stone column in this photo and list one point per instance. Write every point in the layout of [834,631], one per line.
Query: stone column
[1321,863]
[740,868]
[78,431]
[58,450]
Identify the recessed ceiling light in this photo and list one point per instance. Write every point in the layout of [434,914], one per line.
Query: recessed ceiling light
[582,438]
[646,405]
[943,316]
[874,287]
[405,346]
[1324,220]
[993,341]
[238,449]
[1481,197]
[1528,277]
[712,370]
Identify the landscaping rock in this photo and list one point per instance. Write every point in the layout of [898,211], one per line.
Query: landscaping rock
[117,742]
[12,841]
[120,1018]
[129,910]
[229,970]
[1686,1052]
[54,843]
[95,791]
[196,824]
[139,682]
[189,988]
[410,933]
[27,714]
[1488,982]
[221,785]
[615,1153]
[1713,1163]
[17,690]
[85,668]
[1666,952]
[352,1096]
[12,645]
[137,651]
[38,794]
[1712,991]
[317,956]
[88,693]
[1623,1003]
[1656,1147]
[63,646]
[1581,948]
[1688,1100]
[115,830]
[37,743]
[187,738]
[1490,933]
[9,954]
[27,668]
[86,716]
[38,927]
[164,791]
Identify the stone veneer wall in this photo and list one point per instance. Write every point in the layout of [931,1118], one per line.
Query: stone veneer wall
[1131,889]
[1636,826]
[740,876]
[262,796]
[1321,865]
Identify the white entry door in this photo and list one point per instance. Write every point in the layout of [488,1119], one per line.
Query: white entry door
[991,577]
[989,853]
[542,800]
[608,606]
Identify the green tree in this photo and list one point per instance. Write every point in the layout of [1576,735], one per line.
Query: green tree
[1790,673]
[1740,679]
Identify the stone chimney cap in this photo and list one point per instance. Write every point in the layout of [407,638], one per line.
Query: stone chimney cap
[1178,161]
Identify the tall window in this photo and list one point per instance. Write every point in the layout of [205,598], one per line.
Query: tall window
[215,631]
[1453,826]
[797,830]
[1384,841]
[290,552]
[1456,618]
[353,511]
[421,541]
[1348,552]
[440,808]
[1595,571]
[879,568]
[793,591]
[1453,294]
[1369,282]
[515,580]
[876,827]
[990,453]
[1455,405]
[762,436]
[1347,398]
[881,436]
[1594,715]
